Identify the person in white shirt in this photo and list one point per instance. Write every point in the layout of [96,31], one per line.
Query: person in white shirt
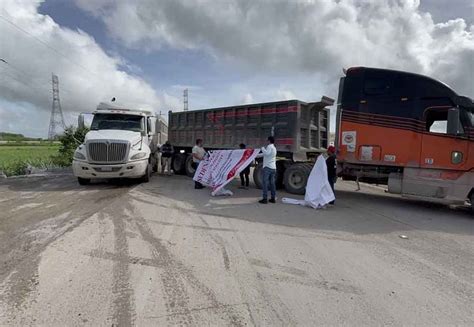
[269,171]
[198,155]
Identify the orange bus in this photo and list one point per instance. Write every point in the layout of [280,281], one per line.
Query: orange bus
[409,131]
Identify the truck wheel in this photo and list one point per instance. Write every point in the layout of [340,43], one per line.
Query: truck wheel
[296,177]
[179,163]
[146,178]
[471,198]
[83,181]
[257,175]
[188,167]
[282,165]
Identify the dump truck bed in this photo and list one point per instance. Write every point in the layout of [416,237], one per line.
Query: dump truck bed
[298,127]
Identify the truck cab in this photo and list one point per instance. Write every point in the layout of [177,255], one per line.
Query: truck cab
[406,130]
[121,143]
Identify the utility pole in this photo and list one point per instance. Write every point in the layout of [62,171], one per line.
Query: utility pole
[57,119]
[185,99]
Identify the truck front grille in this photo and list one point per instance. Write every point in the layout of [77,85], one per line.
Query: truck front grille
[107,152]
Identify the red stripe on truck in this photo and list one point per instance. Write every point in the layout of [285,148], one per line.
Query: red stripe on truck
[251,112]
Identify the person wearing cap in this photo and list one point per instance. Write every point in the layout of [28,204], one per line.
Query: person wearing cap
[331,164]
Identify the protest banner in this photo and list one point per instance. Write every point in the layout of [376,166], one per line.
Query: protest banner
[221,166]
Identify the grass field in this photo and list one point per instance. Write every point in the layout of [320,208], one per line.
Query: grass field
[15,158]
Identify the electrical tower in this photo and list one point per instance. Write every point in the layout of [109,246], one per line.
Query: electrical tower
[57,118]
[185,99]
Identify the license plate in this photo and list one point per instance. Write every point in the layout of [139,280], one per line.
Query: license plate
[106,168]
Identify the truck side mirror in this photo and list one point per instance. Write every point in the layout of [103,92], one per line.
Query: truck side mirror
[454,122]
[149,126]
[80,121]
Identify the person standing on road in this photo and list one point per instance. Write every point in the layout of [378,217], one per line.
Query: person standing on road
[269,171]
[331,164]
[198,156]
[167,152]
[244,174]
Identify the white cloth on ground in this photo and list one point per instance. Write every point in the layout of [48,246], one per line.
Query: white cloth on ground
[318,191]
[222,192]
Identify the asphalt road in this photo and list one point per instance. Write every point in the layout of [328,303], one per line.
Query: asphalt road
[162,253]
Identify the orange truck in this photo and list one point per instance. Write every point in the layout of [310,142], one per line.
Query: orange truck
[409,131]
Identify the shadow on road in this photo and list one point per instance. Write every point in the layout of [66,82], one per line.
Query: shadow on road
[63,183]
[365,212]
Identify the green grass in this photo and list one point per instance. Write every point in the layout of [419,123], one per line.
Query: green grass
[15,158]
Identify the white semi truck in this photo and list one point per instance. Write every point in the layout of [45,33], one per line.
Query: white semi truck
[121,143]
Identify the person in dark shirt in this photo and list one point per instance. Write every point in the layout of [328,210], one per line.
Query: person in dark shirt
[167,152]
[244,174]
[331,164]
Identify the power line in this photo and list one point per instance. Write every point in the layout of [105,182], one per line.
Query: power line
[30,77]
[46,44]
[28,84]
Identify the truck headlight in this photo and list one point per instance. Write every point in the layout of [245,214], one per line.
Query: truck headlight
[79,156]
[139,155]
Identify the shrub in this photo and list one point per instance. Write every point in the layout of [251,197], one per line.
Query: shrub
[70,140]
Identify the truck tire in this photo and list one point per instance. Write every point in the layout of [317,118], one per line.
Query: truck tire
[83,181]
[282,165]
[257,175]
[146,178]
[179,163]
[188,167]
[296,177]
[471,198]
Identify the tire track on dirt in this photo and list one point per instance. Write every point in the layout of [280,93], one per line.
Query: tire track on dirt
[31,231]
[123,312]
[281,313]
[219,241]
[175,277]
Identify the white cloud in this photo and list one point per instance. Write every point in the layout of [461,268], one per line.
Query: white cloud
[87,75]
[247,98]
[285,95]
[303,36]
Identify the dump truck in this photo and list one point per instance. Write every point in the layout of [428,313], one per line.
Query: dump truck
[122,143]
[301,132]
[408,131]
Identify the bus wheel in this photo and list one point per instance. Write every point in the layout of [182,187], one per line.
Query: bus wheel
[179,162]
[296,177]
[257,175]
[188,167]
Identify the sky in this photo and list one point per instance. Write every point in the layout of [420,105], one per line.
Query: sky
[226,52]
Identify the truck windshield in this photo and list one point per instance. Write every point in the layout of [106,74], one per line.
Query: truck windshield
[114,121]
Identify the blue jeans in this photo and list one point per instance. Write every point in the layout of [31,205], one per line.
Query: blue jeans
[268,182]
